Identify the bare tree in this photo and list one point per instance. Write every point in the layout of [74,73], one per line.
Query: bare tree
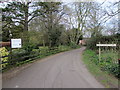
[81,13]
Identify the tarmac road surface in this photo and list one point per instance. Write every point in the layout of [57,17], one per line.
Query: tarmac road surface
[64,70]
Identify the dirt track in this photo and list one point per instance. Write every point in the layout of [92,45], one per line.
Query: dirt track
[64,70]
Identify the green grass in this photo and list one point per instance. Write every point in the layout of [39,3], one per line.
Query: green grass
[110,54]
[107,79]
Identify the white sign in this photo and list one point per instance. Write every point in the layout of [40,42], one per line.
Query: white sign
[16,43]
[106,45]
[112,45]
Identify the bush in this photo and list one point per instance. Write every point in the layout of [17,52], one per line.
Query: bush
[18,55]
[91,44]
[4,52]
[16,51]
[73,45]
[29,47]
[63,48]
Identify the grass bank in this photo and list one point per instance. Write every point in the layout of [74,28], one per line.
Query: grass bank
[90,58]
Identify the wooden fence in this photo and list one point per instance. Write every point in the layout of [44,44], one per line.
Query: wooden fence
[19,58]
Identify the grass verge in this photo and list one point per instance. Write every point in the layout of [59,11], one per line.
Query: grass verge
[108,80]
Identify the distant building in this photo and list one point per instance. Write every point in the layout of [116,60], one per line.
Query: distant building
[84,41]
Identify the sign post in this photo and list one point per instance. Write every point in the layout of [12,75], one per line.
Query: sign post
[101,45]
[16,43]
[99,53]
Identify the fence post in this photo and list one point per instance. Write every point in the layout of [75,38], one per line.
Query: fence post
[11,53]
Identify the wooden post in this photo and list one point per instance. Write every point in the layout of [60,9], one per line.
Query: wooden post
[10,49]
[43,43]
[103,45]
[99,53]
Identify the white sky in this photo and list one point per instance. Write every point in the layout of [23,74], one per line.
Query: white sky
[107,0]
[89,0]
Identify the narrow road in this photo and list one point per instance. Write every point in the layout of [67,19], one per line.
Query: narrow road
[64,70]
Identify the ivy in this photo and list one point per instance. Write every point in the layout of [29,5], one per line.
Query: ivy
[4,52]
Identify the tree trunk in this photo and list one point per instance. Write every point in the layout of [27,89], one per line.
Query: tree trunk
[26,17]
[26,37]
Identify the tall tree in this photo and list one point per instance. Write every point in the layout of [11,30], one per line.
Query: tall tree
[95,17]
[51,14]
[81,12]
[99,16]
[18,14]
